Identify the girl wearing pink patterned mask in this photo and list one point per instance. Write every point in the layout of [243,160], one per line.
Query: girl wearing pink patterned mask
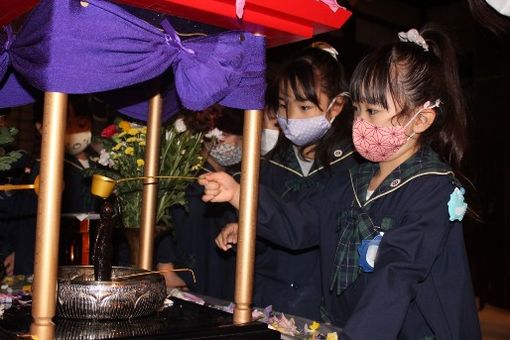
[392,251]
[380,136]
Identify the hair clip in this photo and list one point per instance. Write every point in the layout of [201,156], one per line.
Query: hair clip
[413,36]
[327,48]
[429,105]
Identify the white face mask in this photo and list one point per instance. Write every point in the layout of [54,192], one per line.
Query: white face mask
[77,142]
[502,6]
[268,140]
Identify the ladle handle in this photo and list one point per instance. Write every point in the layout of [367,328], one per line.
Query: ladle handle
[158,272]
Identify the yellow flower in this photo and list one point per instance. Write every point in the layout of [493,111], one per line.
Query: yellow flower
[142,143]
[129,151]
[140,162]
[132,140]
[332,336]
[133,132]
[314,326]
[125,126]
[117,147]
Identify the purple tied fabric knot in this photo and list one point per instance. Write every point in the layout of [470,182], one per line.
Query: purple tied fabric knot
[171,37]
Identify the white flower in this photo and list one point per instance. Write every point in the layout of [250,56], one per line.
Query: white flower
[180,126]
[104,158]
[168,134]
[136,126]
[215,133]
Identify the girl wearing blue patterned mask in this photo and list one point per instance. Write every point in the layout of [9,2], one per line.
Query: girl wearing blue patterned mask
[313,145]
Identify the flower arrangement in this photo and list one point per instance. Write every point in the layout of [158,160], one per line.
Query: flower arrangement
[7,158]
[123,157]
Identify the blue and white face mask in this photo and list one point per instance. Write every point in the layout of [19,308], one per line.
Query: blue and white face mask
[305,131]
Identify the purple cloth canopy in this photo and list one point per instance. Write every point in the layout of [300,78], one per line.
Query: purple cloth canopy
[67,47]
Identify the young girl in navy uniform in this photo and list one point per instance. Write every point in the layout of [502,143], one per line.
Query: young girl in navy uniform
[307,98]
[392,250]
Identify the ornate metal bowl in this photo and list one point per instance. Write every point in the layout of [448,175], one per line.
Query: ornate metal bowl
[80,297]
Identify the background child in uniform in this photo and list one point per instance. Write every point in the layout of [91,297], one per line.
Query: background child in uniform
[191,242]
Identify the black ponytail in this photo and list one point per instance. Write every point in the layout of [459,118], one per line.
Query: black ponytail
[448,136]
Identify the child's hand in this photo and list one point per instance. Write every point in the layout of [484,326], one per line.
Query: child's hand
[227,236]
[220,187]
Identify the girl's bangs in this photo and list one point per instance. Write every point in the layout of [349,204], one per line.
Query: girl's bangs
[301,79]
[371,80]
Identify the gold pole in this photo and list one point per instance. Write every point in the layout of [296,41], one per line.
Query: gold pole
[44,289]
[150,187]
[247,216]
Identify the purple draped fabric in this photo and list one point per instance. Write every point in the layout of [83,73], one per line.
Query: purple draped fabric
[16,91]
[66,47]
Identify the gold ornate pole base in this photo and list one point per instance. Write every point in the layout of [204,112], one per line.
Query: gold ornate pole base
[150,185]
[247,216]
[44,288]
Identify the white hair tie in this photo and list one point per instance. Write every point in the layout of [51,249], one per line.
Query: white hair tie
[413,36]
[327,48]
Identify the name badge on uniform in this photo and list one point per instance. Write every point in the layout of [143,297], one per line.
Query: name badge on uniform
[367,251]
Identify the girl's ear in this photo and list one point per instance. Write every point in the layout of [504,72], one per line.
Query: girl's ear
[424,120]
[337,107]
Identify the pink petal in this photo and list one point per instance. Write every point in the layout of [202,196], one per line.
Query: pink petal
[240,8]
[332,4]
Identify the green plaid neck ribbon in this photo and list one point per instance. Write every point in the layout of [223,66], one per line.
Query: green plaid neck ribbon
[355,224]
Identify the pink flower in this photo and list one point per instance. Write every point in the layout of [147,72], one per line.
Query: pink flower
[109,131]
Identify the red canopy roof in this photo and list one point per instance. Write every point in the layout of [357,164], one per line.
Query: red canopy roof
[281,21]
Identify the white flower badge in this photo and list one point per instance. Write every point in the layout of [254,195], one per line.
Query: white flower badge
[456,205]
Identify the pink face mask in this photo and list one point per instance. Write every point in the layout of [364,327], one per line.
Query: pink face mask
[376,143]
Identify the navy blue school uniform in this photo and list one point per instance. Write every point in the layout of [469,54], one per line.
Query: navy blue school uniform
[420,287]
[289,280]
[76,197]
[18,217]
[191,244]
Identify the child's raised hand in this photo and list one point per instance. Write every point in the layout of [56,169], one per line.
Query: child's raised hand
[220,187]
[227,236]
